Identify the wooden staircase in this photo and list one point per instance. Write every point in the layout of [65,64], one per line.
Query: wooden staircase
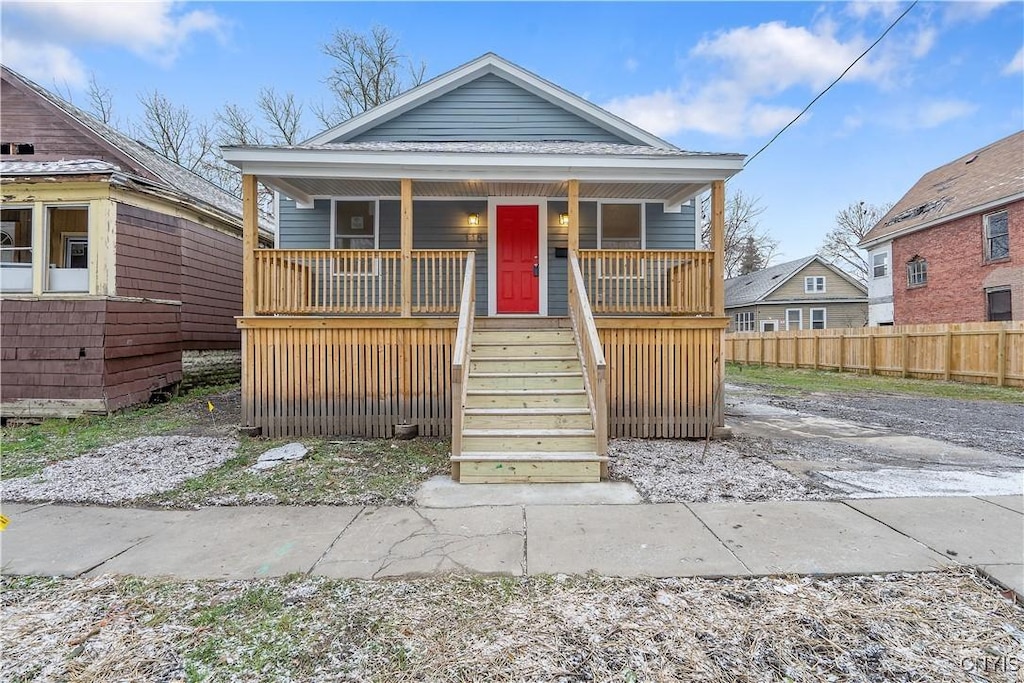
[527,416]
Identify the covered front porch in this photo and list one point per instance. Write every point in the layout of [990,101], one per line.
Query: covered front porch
[342,338]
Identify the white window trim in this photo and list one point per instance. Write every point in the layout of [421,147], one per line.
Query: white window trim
[988,239]
[744,321]
[643,236]
[773,323]
[492,252]
[800,318]
[923,273]
[376,234]
[811,284]
[73,236]
[824,318]
[884,265]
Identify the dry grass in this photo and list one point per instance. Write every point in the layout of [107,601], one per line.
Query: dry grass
[898,627]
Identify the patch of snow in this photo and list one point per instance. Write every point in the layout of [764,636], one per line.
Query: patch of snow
[912,482]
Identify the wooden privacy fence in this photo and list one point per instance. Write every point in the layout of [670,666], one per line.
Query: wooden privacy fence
[648,282]
[989,353]
[356,281]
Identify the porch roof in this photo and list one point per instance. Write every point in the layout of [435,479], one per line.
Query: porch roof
[475,169]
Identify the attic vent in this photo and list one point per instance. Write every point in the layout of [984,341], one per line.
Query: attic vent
[971,159]
[17,148]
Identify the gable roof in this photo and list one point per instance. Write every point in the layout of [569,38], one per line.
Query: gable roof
[142,159]
[975,182]
[755,287]
[489,63]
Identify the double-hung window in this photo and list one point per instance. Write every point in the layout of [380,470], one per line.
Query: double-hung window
[880,265]
[817,318]
[997,235]
[794,318]
[744,321]
[917,272]
[620,225]
[354,228]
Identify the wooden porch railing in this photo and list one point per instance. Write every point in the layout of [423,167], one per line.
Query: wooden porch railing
[356,281]
[460,356]
[648,281]
[591,353]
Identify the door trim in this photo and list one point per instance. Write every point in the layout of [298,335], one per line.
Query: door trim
[492,251]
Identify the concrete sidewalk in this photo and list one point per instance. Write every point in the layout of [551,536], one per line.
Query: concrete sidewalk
[705,539]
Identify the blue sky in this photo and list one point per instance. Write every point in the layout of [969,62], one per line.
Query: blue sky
[705,76]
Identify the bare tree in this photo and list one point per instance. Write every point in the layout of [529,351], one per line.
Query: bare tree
[745,240]
[101,102]
[282,114]
[852,223]
[173,131]
[369,70]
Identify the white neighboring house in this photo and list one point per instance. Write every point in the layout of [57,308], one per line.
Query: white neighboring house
[880,308]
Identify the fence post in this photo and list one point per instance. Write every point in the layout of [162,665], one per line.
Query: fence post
[814,351]
[905,344]
[947,371]
[1001,359]
[871,354]
[796,351]
[842,351]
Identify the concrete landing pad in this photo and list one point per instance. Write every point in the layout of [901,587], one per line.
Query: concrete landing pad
[443,492]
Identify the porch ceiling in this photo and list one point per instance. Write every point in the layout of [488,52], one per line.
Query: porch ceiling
[346,187]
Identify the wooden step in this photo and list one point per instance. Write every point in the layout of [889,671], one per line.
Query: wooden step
[522,323]
[537,456]
[485,468]
[527,418]
[524,364]
[526,398]
[525,380]
[522,336]
[506,349]
[528,440]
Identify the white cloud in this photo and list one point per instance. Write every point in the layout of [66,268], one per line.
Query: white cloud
[631,65]
[45,63]
[956,12]
[924,41]
[929,114]
[153,30]
[756,64]
[1015,65]
[863,9]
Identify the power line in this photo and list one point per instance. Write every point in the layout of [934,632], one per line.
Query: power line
[839,78]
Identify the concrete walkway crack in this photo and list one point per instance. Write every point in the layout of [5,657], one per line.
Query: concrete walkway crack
[719,539]
[115,555]
[901,533]
[526,560]
[336,539]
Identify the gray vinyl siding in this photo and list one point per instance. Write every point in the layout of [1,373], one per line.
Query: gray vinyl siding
[304,228]
[670,230]
[558,236]
[487,109]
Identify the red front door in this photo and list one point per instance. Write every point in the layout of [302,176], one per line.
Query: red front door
[518,276]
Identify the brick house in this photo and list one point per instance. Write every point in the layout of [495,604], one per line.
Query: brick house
[113,261]
[952,249]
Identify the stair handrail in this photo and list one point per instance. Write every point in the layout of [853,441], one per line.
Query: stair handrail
[591,352]
[460,355]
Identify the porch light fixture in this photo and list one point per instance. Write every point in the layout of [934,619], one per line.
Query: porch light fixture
[474,219]
[563,219]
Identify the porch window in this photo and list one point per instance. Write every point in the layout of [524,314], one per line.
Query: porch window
[620,226]
[880,265]
[1000,305]
[67,249]
[794,318]
[917,272]
[354,227]
[814,284]
[817,318]
[16,250]
[744,321]
[997,236]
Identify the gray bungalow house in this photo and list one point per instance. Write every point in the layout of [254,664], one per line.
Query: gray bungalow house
[492,257]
